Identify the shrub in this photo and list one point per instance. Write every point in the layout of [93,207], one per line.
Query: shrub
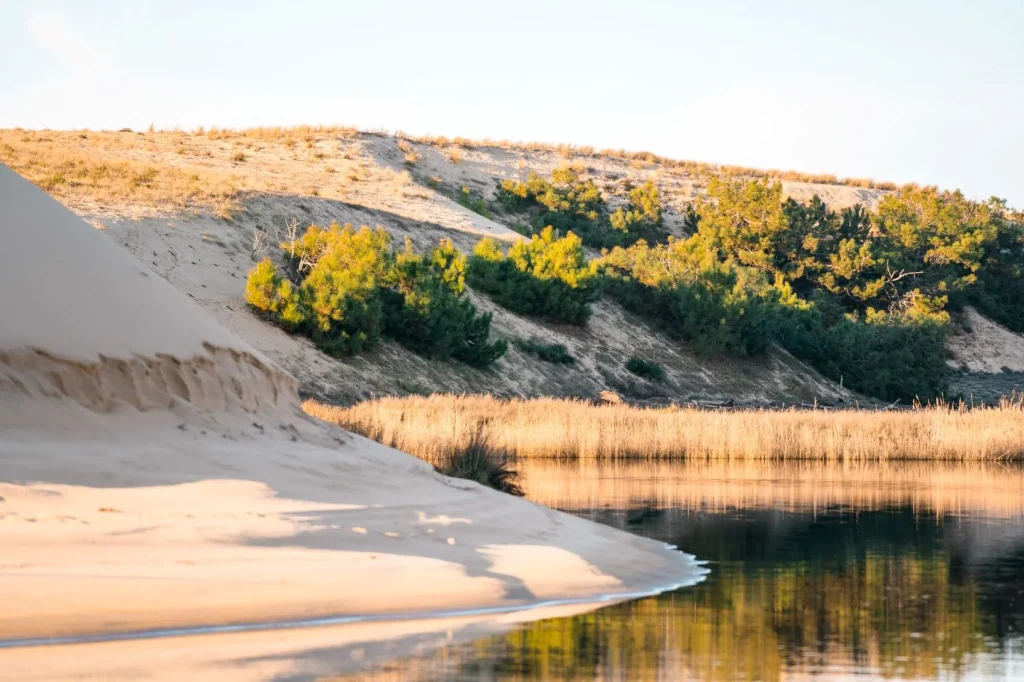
[425,309]
[692,293]
[268,292]
[641,217]
[555,353]
[567,203]
[474,203]
[479,460]
[893,361]
[350,288]
[861,296]
[543,276]
[645,369]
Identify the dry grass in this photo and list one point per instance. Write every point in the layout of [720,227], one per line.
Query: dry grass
[134,173]
[546,427]
[213,168]
[117,168]
[642,159]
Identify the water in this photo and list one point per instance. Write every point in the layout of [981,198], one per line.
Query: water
[818,571]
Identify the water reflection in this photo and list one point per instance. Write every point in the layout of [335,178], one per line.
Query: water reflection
[817,571]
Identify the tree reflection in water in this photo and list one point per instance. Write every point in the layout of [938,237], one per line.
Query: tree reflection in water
[891,591]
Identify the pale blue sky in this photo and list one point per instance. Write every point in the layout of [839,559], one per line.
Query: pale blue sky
[912,90]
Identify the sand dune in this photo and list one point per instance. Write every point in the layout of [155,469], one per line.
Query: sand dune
[157,472]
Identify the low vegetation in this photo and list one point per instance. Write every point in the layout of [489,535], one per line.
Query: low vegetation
[695,168]
[569,203]
[345,289]
[478,460]
[555,353]
[566,202]
[863,296]
[50,160]
[645,369]
[474,203]
[546,276]
[546,427]
[641,217]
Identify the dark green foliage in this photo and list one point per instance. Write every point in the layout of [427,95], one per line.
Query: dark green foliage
[555,353]
[889,361]
[479,460]
[645,369]
[999,291]
[474,203]
[693,294]
[570,204]
[543,276]
[862,296]
[641,217]
[353,288]
[336,302]
[869,292]
[425,311]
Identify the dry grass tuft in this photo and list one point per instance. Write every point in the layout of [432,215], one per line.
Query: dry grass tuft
[478,460]
[411,154]
[547,427]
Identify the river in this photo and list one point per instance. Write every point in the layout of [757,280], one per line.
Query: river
[825,571]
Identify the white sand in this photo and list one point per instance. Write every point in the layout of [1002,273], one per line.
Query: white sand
[156,472]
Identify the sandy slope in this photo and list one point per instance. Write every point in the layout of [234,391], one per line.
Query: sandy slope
[321,176]
[984,346]
[155,472]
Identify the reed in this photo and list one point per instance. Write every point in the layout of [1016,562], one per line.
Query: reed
[550,427]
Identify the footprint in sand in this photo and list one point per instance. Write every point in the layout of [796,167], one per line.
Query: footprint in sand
[357,529]
[391,534]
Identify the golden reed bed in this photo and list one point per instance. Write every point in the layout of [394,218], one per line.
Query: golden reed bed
[548,427]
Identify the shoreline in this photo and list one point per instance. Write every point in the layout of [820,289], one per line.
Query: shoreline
[315,532]
[593,602]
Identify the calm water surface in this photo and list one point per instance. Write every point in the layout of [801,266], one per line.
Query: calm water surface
[820,571]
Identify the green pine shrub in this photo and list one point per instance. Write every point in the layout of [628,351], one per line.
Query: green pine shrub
[555,353]
[544,276]
[645,369]
[693,294]
[474,203]
[641,217]
[350,288]
[571,204]
[864,296]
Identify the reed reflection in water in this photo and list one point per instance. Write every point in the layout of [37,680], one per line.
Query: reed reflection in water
[818,571]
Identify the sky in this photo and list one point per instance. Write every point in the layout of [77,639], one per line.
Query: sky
[904,90]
